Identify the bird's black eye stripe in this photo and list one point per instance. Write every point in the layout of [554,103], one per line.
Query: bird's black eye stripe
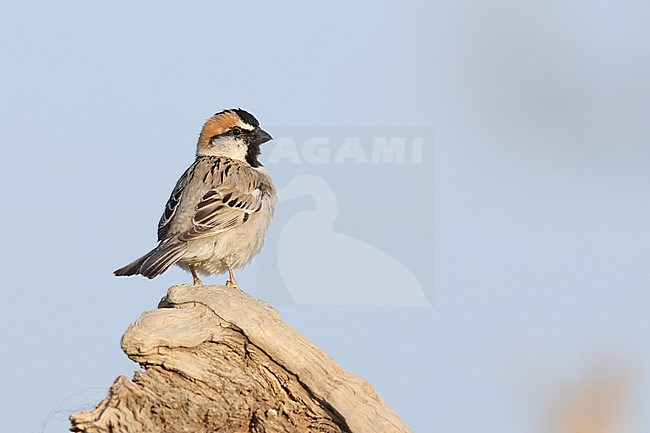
[236,131]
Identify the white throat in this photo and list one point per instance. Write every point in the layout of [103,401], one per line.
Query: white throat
[231,148]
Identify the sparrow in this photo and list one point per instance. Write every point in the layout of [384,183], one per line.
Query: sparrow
[219,211]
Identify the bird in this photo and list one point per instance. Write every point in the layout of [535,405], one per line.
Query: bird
[218,213]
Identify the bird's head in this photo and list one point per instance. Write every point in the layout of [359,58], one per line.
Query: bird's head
[234,133]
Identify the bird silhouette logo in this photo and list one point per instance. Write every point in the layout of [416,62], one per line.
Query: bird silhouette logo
[320,266]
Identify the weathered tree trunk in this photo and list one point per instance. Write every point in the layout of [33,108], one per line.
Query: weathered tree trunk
[217,360]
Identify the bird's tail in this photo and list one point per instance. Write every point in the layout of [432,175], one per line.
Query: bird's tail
[155,262]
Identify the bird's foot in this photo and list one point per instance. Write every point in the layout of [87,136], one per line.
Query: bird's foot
[197,280]
[231,277]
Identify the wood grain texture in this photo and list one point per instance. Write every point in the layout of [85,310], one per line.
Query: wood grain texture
[216,359]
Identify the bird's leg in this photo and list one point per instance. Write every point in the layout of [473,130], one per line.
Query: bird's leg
[197,281]
[231,280]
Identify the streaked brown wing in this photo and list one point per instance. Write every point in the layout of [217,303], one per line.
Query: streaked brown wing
[172,203]
[226,206]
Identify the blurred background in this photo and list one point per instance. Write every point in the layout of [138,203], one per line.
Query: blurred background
[524,226]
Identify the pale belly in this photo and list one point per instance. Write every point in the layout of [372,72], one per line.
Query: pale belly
[237,247]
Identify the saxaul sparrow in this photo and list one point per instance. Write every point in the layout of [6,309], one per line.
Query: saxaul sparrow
[217,215]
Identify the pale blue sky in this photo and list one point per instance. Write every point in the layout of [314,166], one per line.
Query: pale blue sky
[533,193]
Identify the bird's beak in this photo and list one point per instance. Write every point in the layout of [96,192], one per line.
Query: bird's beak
[260,136]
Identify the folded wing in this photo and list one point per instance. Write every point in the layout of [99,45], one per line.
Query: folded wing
[226,206]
